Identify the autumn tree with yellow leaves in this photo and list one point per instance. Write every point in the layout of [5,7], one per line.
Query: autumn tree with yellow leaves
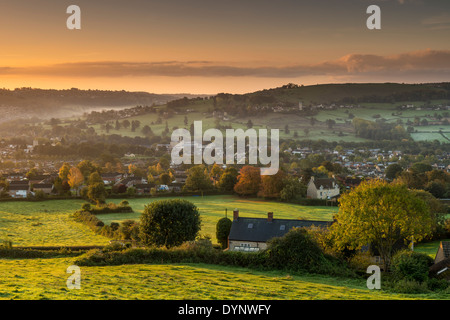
[380,214]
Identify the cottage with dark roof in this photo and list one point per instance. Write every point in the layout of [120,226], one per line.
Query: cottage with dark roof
[322,188]
[252,234]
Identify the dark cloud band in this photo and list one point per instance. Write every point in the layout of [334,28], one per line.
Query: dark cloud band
[418,62]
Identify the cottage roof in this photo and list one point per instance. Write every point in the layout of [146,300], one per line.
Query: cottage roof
[262,230]
[43,186]
[19,183]
[40,177]
[19,187]
[327,183]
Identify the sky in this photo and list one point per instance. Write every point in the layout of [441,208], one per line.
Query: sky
[210,46]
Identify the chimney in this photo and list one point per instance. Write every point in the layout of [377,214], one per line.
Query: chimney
[235,214]
[270,216]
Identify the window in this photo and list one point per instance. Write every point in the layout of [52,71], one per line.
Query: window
[282,227]
[250,225]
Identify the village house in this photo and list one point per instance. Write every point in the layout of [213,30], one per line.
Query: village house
[132,181]
[322,188]
[15,176]
[46,188]
[111,178]
[19,189]
[252,234]
[143,188]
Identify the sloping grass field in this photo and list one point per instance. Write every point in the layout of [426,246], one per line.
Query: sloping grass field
[45,224]
[40,279]
[48,223]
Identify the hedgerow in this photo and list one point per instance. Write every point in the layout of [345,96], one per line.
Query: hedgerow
[193,252]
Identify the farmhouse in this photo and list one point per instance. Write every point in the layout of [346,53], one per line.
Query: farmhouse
[252,234]
[322,188]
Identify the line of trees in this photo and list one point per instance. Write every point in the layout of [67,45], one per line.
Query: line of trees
[245,182]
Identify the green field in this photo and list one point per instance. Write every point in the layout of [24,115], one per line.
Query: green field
[213,208]
[430,136]
[45,224]
[48,223]
[297,123]
[429,248]
[46,279]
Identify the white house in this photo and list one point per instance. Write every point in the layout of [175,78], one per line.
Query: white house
[322,188]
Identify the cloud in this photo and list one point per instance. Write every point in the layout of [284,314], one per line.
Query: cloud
[425,62]
[438,22]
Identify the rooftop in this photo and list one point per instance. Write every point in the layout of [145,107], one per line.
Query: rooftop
[263,229]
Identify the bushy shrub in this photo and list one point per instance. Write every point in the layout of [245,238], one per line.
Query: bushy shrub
[114,246]
[223,228]
[437,284]
[87,218]
[169,223]
[18,253]
[298,251]
[40,195]
[195,252]
[446,226]
[129,230]
[124,203]
[295,250]
[201,243]
[114,226]
[410,287]
[360,262]
[86,207]
[410,265]
[123,207]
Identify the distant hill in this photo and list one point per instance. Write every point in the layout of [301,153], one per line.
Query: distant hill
[354,93]
[41,103]
[291,95]
[29,102]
